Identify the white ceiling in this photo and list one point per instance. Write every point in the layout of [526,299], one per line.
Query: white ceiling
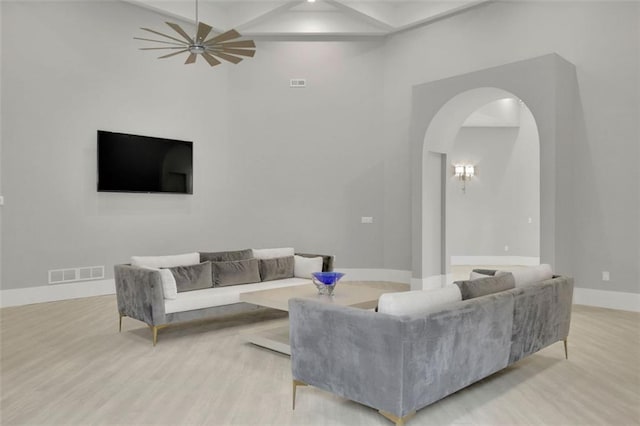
[300,18]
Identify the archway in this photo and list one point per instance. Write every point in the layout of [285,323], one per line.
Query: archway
[440,107]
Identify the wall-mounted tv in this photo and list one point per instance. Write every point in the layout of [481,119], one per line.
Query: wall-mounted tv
[132,163]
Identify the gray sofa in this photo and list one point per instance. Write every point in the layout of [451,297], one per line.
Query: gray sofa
[400,364]
[140,295]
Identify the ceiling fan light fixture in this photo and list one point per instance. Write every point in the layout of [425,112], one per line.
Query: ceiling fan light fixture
[196,48]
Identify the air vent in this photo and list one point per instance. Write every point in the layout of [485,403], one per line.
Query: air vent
[298,83]
[84,273]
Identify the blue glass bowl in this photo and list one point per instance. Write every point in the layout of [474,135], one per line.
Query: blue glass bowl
[325,282]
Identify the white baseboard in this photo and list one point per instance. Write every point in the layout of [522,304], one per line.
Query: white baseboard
[394,275]
[495,260]
[607,299]
[52,293]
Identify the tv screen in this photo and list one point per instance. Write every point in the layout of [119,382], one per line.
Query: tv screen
[132,163]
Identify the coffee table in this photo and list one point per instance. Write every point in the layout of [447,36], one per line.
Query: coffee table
[277,338]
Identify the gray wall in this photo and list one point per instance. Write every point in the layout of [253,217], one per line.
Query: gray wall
[495,208]
[276,166]
[604,186]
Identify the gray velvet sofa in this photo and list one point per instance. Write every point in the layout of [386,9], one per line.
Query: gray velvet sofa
[400,364]
[140,295]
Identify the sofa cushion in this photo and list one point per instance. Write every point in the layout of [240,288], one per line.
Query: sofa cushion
[166,261]
[532,274]
[192,277]
[418,301]
[483,273]
[272,253]
[304,266]
[169,288]
[483,286]
[276,269]
[225,256]
[234,272]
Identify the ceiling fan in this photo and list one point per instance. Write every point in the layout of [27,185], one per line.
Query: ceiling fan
[220,46]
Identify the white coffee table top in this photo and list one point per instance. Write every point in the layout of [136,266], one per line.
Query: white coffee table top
[345,294]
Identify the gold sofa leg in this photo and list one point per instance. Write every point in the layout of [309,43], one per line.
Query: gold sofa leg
[399,421]
[566,350]
[296,383]
[120,326]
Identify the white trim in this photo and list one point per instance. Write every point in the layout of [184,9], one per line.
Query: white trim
[394,275]
[495,260]
[607,299]
[52,293]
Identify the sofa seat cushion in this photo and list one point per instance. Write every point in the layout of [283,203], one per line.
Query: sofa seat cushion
[218,296]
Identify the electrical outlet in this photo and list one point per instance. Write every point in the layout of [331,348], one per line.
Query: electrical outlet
[366,219]
[530,220]
[605,275]
[506,248]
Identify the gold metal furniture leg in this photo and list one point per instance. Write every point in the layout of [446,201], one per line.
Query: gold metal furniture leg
[296,383]
[399,421]
[120,327]
[154,329]
[566,351]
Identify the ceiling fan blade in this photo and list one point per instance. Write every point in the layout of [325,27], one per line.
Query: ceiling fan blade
[203,31]
[180,31]
[212,61]
[173,54]
[191,58]
[159,41]
[226,57]
[229,35]
[163,35]
[159,48]
[241,52]
[241,44]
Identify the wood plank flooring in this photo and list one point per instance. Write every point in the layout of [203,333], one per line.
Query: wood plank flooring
[65,363]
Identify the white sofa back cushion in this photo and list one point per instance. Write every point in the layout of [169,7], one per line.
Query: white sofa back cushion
[169,285]
[272,253]
[532,274]
[304,266]
[418,301]
[166,261]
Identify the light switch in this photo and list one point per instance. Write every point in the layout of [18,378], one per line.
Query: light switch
[366,219]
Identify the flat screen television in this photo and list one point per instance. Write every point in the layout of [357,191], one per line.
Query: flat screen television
[132,163]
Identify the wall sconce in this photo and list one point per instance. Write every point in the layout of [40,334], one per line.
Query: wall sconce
[464,172]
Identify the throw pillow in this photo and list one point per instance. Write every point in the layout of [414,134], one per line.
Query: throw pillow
[235,272]
[169,288]
[165,261]
[272,253]
[484,286]
[418,301]
[277,268]
[225,256]
[532,274]
[483,273]
[304,266]
[192,277]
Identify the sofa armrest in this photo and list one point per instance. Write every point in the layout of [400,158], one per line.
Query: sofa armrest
[353,353]
[327,260]
[139,294]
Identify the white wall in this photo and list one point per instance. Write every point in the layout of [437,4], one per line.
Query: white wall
[601,39]
[273,166]
[495,209]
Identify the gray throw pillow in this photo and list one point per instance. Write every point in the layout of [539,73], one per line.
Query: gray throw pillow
[483,286]
[225,256]
[277,268]
[235,272]
[192,277]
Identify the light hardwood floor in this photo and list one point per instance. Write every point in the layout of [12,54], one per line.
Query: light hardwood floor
[65,363]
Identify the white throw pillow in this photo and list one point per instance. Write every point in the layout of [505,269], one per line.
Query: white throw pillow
[532,274]
[272,253]
[418,301]
[166,261]
[304,266]
[169,286]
